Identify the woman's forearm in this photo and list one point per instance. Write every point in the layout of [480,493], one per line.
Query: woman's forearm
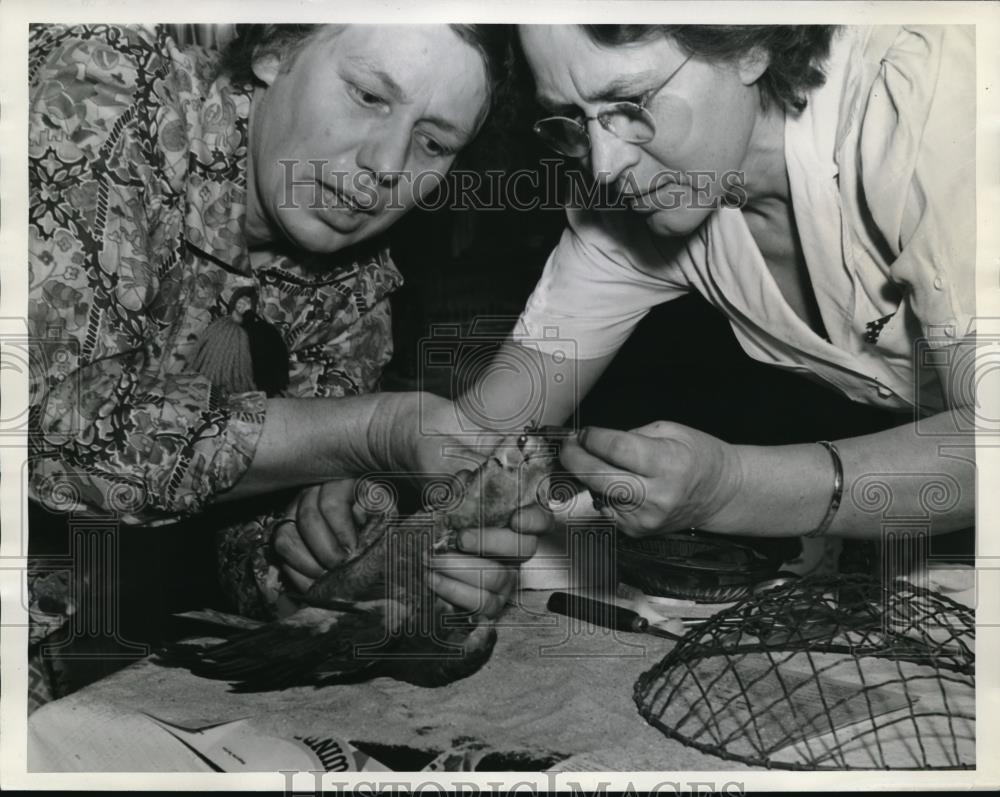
[926,479]
[305,441]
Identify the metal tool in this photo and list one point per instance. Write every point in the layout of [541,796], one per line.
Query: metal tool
[556,432]
[606,615]
[552,434]
[619,618]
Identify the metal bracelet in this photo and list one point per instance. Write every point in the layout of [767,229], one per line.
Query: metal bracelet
[838,490]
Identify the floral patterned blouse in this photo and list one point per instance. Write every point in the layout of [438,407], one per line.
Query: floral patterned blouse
[137,169]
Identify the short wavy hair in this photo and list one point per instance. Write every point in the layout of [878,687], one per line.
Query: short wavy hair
[796,52]
[494,43]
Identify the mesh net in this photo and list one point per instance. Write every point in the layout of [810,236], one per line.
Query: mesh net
[844,673]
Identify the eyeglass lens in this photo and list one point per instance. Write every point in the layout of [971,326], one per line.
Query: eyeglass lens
[626,120]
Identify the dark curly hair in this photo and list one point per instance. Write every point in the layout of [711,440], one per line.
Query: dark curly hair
[494,43]
[254,40]
[796,52]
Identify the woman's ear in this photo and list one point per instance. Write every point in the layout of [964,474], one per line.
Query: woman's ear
[752,65]
[266,67]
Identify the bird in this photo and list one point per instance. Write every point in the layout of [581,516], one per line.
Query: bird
[376,614]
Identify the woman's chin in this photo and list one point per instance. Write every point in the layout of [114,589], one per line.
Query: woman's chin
[316,236]
[677,221]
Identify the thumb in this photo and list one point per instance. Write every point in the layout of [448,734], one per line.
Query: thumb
[532,519]
[658,429]
[359,514]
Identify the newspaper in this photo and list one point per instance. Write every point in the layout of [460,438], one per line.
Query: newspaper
[142,742]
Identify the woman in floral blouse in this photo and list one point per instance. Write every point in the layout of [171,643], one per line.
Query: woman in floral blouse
[193,217]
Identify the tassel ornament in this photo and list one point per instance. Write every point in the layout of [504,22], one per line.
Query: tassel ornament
[241,352]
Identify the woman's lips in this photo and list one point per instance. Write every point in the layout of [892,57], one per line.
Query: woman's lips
[644,203]
[334,199]
[666,195]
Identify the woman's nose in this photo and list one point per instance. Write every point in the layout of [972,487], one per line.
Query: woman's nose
[610,157]
[383,154]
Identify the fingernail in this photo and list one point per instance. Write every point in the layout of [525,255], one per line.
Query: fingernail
[582,437]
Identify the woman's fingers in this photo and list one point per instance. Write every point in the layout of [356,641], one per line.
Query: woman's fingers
[473,570]
[336,501]
[323,519]
[617,488]
[300,582]
[359,514]
[661,429]
[289,546]
[468,597]
[321,531]
[492,542]
[471,583]
[623,451]
[532,519]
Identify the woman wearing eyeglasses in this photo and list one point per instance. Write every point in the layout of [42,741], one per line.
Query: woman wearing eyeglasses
[817,186]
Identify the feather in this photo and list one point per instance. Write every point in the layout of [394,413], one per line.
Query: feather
[290,650]
[376,611]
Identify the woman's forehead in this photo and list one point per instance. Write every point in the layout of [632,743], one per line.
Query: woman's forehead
[411,62]
[568,64]
[408,48]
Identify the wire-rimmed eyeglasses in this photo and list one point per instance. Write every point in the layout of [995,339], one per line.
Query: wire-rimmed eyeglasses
[630,121]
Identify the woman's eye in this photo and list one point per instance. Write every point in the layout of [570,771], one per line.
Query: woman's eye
[434,148]
[366,97]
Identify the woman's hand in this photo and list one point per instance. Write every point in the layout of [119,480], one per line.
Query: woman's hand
[324,532]
[658,478]
[481,577]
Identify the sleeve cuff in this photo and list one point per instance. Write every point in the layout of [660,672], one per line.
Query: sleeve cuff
[213,473]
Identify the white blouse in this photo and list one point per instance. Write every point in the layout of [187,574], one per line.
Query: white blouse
[881,166]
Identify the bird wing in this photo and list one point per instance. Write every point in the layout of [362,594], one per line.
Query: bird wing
[291,651]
